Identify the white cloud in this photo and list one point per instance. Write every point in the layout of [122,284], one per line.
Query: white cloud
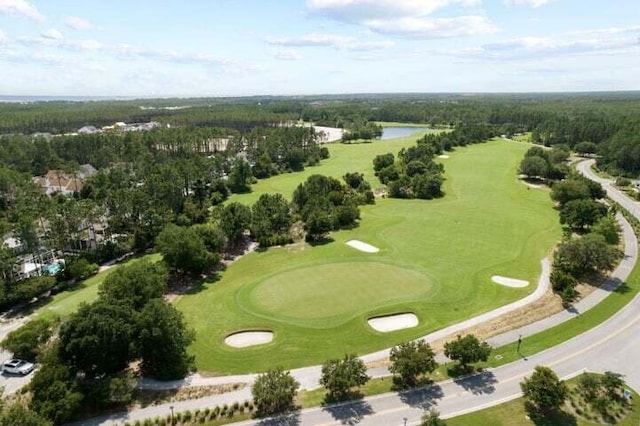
[610,41]
[52,34]
[434,27]
[330,40]
[54,39]
[21,8]
[406,18]
[77,23]
[287,55]
[3,37]
[358,10]
[532,3]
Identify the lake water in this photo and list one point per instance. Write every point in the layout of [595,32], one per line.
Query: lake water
[399,132]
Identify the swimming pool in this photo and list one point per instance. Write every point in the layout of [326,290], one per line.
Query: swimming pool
[53,268]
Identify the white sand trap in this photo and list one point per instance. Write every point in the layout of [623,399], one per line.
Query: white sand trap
[443,156]
[393,322]
[509,282]
[359,245]
[248,338]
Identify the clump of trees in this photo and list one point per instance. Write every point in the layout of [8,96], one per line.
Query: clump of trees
[467,350]
[410,361]
[325,204]
[545,164]
[274,392]
[341,376]
[183,249]
[413,174]
[271,220]
[88,364]
[361,129]
[595,250]
[30,340]
[543,391]
[602,391]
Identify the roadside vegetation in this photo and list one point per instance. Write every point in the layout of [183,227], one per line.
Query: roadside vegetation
[587,400]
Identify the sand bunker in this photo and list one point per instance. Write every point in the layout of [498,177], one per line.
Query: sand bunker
[443,156]
[359,245]
[531,185]
[509,282]
[393,322]
[244,339]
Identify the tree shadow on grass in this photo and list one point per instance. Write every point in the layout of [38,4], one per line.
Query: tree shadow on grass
[456,370]
[287,419]
[349,413]
[320,241]
[400,385]
[425,398]
[549,417]
[479,383]
[622,289]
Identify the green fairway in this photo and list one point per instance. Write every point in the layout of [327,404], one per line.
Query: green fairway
[344,158]
[435,260]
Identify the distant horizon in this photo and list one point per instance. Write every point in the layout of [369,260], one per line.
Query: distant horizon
[241,48]
[80,98]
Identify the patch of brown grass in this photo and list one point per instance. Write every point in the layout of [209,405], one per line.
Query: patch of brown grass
[148,397]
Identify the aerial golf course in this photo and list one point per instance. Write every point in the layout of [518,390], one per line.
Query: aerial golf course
[435,260]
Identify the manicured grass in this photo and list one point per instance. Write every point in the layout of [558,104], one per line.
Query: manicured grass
[512,413]
[488,223]
[334,288]
[67,302]
[344,158]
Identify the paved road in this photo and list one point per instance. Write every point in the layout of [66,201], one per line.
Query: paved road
[609,346]
[10,383]
[632,206]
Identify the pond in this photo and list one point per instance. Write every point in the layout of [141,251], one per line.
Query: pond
[399,132]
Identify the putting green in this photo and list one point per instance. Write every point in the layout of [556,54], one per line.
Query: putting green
[337,289]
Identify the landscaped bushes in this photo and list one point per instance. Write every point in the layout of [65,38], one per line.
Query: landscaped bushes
[25,290]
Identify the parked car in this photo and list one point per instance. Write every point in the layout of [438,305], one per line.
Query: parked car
[18,366]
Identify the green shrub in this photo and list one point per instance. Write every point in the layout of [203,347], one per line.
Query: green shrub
[623,181]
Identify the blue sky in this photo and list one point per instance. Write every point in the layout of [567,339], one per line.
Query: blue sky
[254,47]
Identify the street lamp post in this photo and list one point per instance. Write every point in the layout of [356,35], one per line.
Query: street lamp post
[405,421]
[171,408]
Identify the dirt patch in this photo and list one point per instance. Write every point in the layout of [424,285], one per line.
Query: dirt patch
[148,397]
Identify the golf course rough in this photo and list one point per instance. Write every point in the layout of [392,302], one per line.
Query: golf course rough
[439,255]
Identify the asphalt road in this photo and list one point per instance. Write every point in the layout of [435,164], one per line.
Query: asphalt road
[8,382]
[610,346]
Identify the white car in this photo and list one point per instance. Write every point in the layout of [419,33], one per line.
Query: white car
[18,366]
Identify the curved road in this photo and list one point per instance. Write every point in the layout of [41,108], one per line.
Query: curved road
[609,346]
